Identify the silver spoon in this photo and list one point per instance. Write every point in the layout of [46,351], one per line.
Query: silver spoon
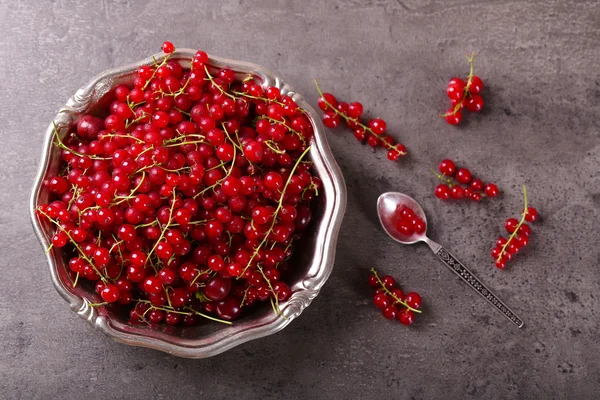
[388,203]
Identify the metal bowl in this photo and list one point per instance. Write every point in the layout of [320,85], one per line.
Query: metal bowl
[313,262]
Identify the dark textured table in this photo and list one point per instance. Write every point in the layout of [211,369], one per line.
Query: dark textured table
[540,61]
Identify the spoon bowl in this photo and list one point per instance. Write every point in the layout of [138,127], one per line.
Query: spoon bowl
[388,209]
[388,206]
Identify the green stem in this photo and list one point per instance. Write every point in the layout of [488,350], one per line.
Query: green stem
[521,222]
[63,146]
[279,205]
[210,78]
[79,249]
[459,105]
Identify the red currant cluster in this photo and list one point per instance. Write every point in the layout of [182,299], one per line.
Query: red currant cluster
[408,222]
[452,177]
[519,235]
[186,200]
[373,132]
[393,303]
[464,94]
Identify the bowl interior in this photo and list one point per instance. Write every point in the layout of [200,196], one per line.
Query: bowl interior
[312,260]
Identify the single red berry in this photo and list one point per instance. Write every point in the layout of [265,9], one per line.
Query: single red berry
[501,264]
[474,103]
[355,110]
[525,230]
[405,227]
[476,85]
[531,215]
[491,190]
[360,134]
[406,317]
[153,285]
[511,225]
[406,213]
[342,107]
[442,191]
[513,247]
[476,196]
[389,282]
[60,239]
[377,126]
[522,240]
[413,300]
[395,153]
[457,104]
[110,293]
[507,256]
[398,293]
[457,192]
[373,282]
[455,91]
[463,176]
[390,312]
[452,117]
[382,300]
[447,167]
[373,140]
[496,252]
[331,119]
[419,225]
[456,81]
[327,98]
[501,241]
[168,47]
[477,185]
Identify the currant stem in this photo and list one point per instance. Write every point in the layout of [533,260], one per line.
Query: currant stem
[289,128]
[279,205]
[63,146]
[458,106]
[516,231]
[276,300]
[74,244]
[164,230]
[223,91]
[164,61]
[391,294]
[444,178]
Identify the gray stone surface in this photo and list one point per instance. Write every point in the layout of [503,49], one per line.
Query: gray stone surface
[540,61]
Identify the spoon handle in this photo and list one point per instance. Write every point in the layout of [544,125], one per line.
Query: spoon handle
[466,275]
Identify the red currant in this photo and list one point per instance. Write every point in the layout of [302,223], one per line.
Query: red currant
[406,317]
[447,167]
[531,214]
[511,225]
[442,191]
[168,47]
[476,85]
[474,103]
[453,117]
[463,175]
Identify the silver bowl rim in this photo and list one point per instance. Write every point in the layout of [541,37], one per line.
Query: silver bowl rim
[326,232]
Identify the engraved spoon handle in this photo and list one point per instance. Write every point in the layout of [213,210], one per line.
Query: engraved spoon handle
[466,275]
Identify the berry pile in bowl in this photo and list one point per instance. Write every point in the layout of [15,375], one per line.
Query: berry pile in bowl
[188,203]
